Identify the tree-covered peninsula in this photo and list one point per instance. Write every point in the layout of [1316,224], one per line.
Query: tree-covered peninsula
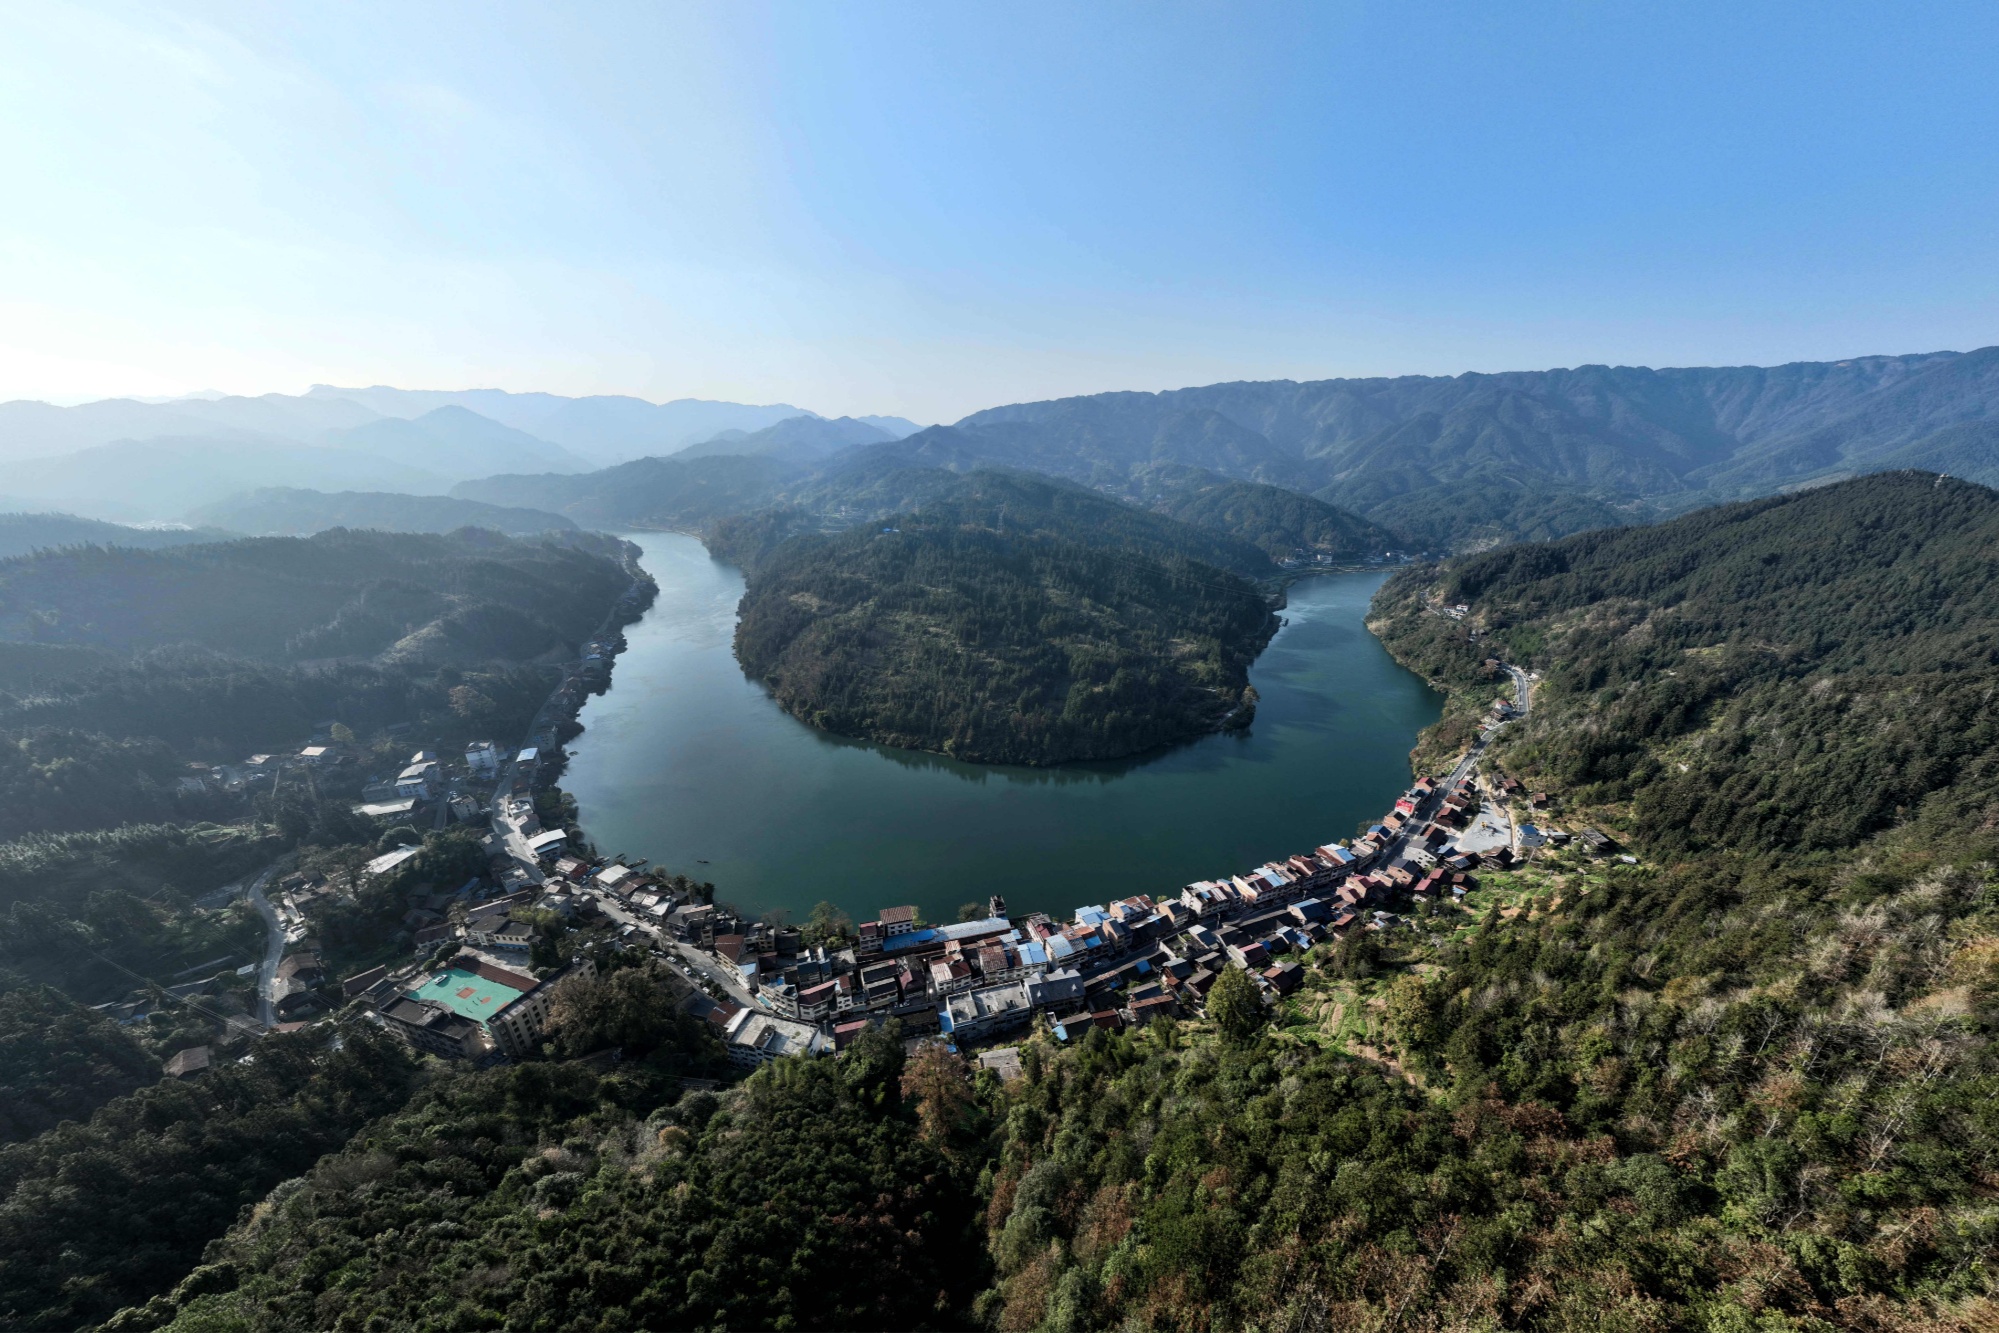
[1009,620]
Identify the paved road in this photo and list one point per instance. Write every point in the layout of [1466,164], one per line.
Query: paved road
[684,956]
[274,947]
[1430,804]
[541,736]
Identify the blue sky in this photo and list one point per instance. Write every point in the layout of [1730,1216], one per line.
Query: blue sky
[930,208]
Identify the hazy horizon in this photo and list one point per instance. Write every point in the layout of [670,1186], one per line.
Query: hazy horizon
[885,209]
[806,409]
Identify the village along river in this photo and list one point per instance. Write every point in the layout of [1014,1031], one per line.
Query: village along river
[687,762]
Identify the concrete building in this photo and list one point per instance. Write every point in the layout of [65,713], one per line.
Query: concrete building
[388,861]
[757,1038]
[505,1010]
[418,782]
[432,1028]
[976,1014]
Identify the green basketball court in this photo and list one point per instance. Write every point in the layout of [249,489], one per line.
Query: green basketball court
[466,993]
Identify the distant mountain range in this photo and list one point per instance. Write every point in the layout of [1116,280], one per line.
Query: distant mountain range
[1471,459]
[127,460]
[278,512]
[1444,463]
[797,440]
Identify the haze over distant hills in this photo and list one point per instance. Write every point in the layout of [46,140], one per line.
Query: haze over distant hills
[128,460]
[796,440]
[23,533]
[283,511]
[1445,462]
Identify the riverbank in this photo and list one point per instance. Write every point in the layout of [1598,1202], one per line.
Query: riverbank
[688,763]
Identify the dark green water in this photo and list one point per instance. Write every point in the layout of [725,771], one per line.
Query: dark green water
[685,760]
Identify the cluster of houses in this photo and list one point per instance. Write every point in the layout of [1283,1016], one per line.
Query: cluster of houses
[1109,966]
[426,778]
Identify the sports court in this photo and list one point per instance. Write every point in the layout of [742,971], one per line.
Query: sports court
[466,994]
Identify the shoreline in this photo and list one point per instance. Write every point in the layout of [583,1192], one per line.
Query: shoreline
[1278,786]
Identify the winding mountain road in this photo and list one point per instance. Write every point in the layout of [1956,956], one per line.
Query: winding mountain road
[274,947]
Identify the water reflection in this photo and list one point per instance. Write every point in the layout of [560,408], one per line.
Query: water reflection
[687,760]
[1201,752]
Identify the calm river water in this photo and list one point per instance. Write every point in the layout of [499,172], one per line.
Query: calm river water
[688,763]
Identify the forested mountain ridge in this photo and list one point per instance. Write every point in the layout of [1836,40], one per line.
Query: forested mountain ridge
[644,493]
[24,534]
[796,440]
[1016,621]
[119,666]
[1283,523]
[699,491]
[1666,440]
[337,594]
[1800,672]
[1787,1011]
[1024,503]
[290,512]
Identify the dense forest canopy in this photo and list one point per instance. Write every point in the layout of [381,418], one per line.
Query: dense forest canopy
[1793,673]
[546,1196]
[1018,622]
[122,665]
[1283,523]
[644,493]
[60,1061]
[23,534]
[1663,440]
[107,1212]
[340,593]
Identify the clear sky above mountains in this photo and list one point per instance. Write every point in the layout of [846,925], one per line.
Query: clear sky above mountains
[927,209]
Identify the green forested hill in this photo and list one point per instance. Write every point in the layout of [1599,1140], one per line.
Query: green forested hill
[108,1211]
[60,1061]
[121,665]
[805,1200]
[21,534]
[1786,1012]
[644,493]
[1793,673]
[340,593]
[1281,522]
[289,511]
[1019,622]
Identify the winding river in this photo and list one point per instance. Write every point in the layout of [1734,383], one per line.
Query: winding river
[688,763]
